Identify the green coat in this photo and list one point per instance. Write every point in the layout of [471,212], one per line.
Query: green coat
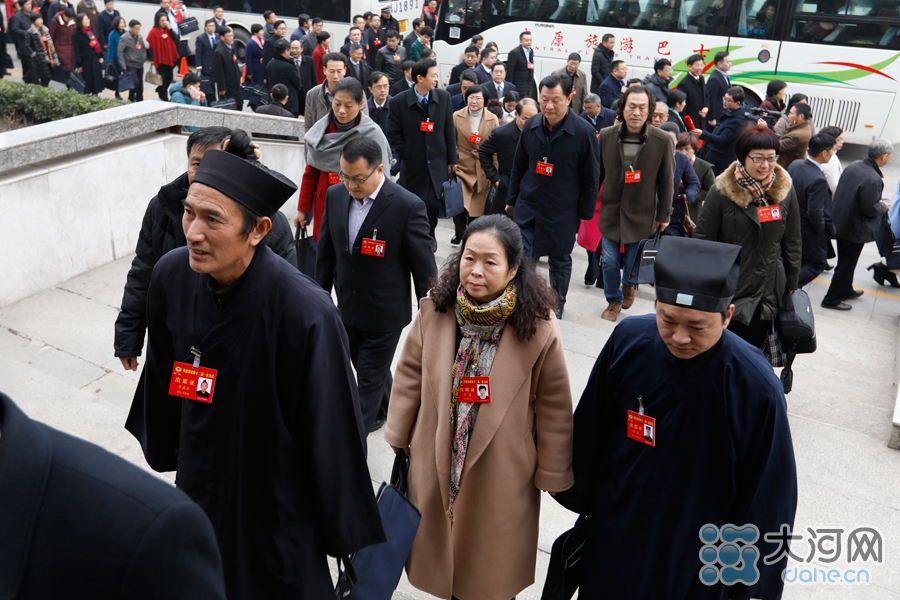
[707,177]
[771,252]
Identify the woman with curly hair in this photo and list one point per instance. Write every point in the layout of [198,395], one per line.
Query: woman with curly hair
[481,404]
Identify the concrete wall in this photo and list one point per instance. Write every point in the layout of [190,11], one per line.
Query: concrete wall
[71,214]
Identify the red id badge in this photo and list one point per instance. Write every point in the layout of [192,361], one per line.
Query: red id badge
[426,126]
[377,42]
[373,247]
[474,389]
[193,383]
[544,169]
[641,428]
[768,213]
[234,58]
[530,66]
[333,178]
[475,138]
[396,58]
[632,176]
[137,46]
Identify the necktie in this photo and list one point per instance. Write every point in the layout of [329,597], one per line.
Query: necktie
[499,91]
[212,40]
[425,104]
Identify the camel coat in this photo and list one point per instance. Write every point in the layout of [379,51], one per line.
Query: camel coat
[521,444]
[475,183]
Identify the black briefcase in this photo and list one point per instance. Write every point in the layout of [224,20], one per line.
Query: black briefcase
[306,249]
[76,82]
[642,271]
[189,25]
[227,104]
[566,569]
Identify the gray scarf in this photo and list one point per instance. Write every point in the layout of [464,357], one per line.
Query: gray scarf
[325,148]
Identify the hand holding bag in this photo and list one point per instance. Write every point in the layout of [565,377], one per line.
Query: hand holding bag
[126,82]
[76,82]
[689,226]
[642,269]
[452,202]
[797,328]
[306,249]
[153,77]
[379,567]
[111,77]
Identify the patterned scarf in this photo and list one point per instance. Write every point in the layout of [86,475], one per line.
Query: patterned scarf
[481,325]
[756,189]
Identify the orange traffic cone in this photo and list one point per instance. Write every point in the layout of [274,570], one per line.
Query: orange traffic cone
[184,68]
[244,74]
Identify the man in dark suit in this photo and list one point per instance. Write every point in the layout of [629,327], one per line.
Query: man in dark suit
[814,199]
[280,33]
[357,67]
[498,87]
[374,237]
[716,85]
[309,41]
[281,69]
[612,87]
[407,81]
[520,66]
[413,36]
[79,522]
[694,87]
[423,138]
[483,70]
[203,48]
[502,143]
[374,39]
[226,73]
[469,61]
[719,144]
[601,63]
[596,114]
[858,205]
[458,91]
[379,101]
[355,37]
[104,25]
[275,108]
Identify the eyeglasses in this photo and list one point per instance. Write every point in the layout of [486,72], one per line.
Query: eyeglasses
[356,180]
[761,159]
[381,87]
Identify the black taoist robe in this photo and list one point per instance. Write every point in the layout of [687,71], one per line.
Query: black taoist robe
[278,458]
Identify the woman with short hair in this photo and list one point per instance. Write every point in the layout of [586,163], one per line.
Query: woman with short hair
[753,205]
[165,53]
[477,468]
[88,55]
[776,90]
[43,53]
[62,27]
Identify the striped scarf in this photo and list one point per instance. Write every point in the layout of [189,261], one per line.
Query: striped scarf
[481,326]
[757,189]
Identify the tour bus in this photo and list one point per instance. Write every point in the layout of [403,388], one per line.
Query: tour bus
[242,14]
[841,53]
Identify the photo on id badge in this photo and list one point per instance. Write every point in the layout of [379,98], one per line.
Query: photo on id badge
[203,387]
[648,432]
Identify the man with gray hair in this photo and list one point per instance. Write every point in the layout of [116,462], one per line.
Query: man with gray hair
[596,114]
[857,207]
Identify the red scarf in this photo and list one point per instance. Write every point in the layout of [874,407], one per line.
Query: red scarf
[93,40]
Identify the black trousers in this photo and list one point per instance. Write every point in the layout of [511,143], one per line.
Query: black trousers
[755,333]
[168,75]
[460,222]
[371,353]
[594,271]
[841,286]
[432,207]
[25,59]
[815,257]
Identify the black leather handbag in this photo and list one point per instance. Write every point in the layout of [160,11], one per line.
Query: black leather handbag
[306,249]
[189,25]
[642,269]
[797,331]
[566,569]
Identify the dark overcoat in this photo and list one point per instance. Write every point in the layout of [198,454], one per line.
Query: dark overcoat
[502,143]
[226,74]
[277,459]
[80,522]
[424,156]
[548,208]
[816,216]
[519,74]
[857,203]
[719,144]
[88,60]
[695,90]
[282,70]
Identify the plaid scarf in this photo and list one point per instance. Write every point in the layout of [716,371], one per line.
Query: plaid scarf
[757,189]
[481,325]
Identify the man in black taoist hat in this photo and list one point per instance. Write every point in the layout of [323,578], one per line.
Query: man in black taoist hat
[720,450]
[277,458]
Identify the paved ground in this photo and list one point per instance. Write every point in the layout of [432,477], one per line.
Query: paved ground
[56,361]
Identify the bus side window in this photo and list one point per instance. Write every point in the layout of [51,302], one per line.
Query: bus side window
[757,19]
[708,16]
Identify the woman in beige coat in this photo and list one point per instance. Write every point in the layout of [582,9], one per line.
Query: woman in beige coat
[477,468]
[473,125]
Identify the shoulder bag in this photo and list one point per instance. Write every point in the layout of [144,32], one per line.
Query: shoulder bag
[188,25]
[306,249]
[153,77]
[111,77]
[797,330]
[126,82]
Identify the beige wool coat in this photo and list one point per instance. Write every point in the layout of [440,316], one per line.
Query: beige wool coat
[521,444]
[475,184]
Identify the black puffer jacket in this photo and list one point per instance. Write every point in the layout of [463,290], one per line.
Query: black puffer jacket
[161,232]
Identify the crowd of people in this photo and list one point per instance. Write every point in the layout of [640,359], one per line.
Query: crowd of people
[261,392]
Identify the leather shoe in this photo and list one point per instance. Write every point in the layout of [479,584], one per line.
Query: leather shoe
[589,282]
[628,293]
[838,306]
[558,311]
[612,311]
[378,424]
[829,267]
[855,294]
[455,241]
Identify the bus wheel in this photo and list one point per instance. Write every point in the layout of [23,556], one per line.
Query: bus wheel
[241,39]
[751,96]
